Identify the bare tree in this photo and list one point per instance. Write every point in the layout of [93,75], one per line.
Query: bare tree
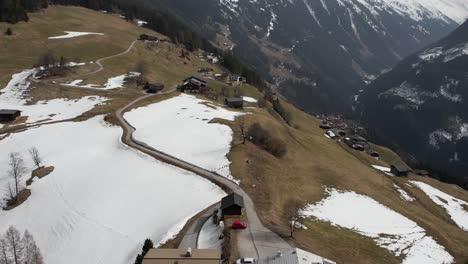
[292,208]
[4,258]
[36,157]
[17,172]
[14,244]
[9,32]
[32,254]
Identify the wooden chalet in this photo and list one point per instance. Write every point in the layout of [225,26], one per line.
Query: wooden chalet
[400,170]
[194,85]
[7,115]
[232,204]
[234,102]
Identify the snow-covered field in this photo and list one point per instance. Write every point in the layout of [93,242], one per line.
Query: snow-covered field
[388,228]
[74,34]
[209,235]
[103,199]
[112,83]
[452,205]
[180,127]
[16,95]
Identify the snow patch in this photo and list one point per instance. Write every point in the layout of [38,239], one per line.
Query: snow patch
[112,83]
[403,194]
[452,205]
[388,228]
[383,169]
[74,34]
[249,99]
[16,96]
[209,235]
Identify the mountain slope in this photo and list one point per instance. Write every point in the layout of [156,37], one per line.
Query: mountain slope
[426,96]
[320,52]
[117,183]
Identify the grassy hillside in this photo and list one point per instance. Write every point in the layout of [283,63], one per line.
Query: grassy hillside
[311,164]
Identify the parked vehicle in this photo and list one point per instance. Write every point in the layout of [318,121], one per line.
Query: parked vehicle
[246,261]
[239,225]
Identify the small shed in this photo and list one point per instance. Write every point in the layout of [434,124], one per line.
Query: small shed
[400,170]
[232,204]
[234,102]
[7,115]
[153,88]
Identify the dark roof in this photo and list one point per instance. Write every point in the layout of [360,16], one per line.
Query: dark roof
[195,78]
[232,199]
[357,138]
[9,112]
[234,99]
[401,167]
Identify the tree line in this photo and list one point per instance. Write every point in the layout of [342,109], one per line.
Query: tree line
[15,249]
[13,11]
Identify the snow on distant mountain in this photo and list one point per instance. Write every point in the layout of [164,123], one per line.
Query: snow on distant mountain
[319,53]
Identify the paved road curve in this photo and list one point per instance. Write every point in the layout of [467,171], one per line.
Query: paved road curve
[257,240]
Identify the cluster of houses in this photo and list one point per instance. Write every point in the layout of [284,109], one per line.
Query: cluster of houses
[344,132]
[195,84]
[146,37]
[227,78]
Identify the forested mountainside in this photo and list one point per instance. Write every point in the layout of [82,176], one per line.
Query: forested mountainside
[420,106]
[16,10]
[319,53]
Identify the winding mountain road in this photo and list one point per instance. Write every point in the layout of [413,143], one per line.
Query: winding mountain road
[258,241]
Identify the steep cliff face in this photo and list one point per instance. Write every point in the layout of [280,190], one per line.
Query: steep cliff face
[319,53]
[421,105]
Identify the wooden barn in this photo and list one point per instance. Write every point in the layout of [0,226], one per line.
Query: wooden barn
[234,102]
[400,170]
[232,204]
[7,115]
[153,88]
[194,85]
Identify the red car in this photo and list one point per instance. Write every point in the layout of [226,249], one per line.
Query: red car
[239,225]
